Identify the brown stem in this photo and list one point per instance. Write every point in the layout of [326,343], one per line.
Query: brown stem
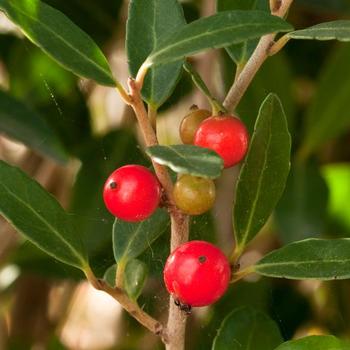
[150,138]
[176,326]
[132,308]
[258,57]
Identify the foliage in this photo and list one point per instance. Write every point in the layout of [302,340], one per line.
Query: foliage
[46,106]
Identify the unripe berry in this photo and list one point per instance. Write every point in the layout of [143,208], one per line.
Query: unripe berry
[197,273]
[190,124]
[132,193]
[194,195]
[226,135]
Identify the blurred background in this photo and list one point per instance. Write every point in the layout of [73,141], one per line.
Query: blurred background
[46,305]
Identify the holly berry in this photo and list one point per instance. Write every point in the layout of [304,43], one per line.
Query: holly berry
[132,193]
[191,122]
[194,195]
[226,135]
[197,273]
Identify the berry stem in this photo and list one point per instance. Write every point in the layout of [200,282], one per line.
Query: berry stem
[254,63]
[241,274]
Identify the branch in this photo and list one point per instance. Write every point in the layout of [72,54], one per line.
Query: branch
[258,57]
[132,308]
[150,139]
[175,333]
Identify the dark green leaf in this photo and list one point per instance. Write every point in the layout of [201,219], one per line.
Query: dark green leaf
[246,328]
[23,124]
[220,30]
[309,259]
[39,217]
[60,38]
[328,116]
[301,213]
[135,276]
[315,342]
[264,173]
[240,53]
[337,177]
[131,239]
[153,18]
[188,159]
[335,30]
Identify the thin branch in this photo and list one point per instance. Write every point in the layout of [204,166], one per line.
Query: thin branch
[175,333]
[132,308]
[258,57]
[176,325]
[150,138]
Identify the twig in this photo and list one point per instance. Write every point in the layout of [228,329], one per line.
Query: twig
[258,57]
[176,326]
[132,308]
[150,138]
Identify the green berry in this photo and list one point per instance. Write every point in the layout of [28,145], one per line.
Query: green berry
[194,195]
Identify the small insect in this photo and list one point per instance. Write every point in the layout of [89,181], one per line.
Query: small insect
[183,307]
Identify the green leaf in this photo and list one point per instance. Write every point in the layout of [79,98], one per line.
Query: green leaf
[264,173]
[188,159]
[246,328]
[337,177]
[135,276]
[131,239]
[153,18]
[23,124]
[219,30]
[312,258]
[335,30]
[302,211]
[240,53]
[60,38]
[39,217]
[327,116]
[315,342]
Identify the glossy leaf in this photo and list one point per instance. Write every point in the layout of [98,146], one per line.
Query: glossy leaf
[337,177]
[60,38]
[264,173]
[312,258]
[246,328]
[135,276]
[153,18]
[219,30]
[302,211]
[188,159]
[240,53]
[23,124]
[335,30]
[39,217]
[131,239]
[315,342]
[327,116]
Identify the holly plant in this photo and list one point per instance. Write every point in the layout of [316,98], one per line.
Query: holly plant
[157,197]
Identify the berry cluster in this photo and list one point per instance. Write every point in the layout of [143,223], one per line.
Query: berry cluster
[197,273]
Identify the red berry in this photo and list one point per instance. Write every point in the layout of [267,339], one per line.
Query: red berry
[197,273]
[132,193]
[226,135]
